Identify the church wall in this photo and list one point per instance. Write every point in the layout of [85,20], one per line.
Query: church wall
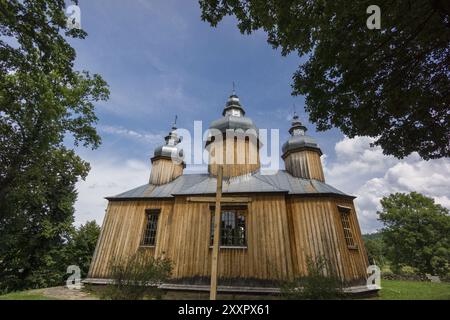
[316,230]
[122,229]
[267,255]
[281,233]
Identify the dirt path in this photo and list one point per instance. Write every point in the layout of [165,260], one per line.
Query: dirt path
[63,293]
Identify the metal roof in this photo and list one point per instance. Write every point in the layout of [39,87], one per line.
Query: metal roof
[299,139]
[171,148]
[298,142]
[200,184]
[232,122]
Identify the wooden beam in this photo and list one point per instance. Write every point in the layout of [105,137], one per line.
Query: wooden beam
[215,253]
[224,200]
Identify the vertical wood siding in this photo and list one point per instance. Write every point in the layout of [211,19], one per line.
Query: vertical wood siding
[305,164]
[164,171]
[317,231]
[239,156]
[281,233]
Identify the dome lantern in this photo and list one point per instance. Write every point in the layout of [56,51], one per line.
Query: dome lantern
[301,153]
[233,107]
[167,160]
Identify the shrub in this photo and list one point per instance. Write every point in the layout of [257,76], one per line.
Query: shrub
[136,277]
[321,283]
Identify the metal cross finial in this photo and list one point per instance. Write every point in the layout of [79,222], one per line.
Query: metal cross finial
[295,110]
[175,122]
[234,88]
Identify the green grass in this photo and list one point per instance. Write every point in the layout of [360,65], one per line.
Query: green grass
[413,290]
[391,290]
[26,295]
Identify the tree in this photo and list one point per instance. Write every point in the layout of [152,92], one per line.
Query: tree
[416,232]
[43,102]
[82,245]
[34,235]
[391,84]
[375,251]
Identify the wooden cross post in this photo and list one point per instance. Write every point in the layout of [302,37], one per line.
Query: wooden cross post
[217,218]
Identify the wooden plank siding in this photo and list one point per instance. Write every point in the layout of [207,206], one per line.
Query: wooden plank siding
[317,231]
[282,231]
[165,170]
[239,157]
[305,164]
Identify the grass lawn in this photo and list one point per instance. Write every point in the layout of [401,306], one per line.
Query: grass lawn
[391,290]
[413,290]
[26,295]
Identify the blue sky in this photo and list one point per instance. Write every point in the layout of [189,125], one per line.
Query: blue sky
[160,59]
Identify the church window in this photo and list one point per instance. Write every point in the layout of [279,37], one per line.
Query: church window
[232,228]
[348,234]
[151,225]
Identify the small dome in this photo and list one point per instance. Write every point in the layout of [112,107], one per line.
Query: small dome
[169,152]
[299,139]
[170,149]
[233,107]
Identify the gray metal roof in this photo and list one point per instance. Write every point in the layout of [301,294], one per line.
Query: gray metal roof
[232,122]
[233,103]
[171,148]
[199,184]
[299,139]
[298,142]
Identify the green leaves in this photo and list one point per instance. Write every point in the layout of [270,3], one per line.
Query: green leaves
[43,100]
[136,276]
[321,282]
[81,246]
[416,232]
[391,84]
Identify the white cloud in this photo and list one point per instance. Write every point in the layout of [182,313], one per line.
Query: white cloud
[365,172]
[147,137]
[108,177]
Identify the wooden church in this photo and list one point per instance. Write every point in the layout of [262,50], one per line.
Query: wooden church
[270,224]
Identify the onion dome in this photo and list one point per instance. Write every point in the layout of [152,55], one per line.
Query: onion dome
[170,149]
[233,117]
[299,140]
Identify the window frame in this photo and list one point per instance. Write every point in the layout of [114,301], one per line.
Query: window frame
[145,236]
[239,210]
[349,236]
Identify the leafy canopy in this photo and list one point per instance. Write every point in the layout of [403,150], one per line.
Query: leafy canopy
[391,84]
[81,246]
[43,102]
[416,233]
